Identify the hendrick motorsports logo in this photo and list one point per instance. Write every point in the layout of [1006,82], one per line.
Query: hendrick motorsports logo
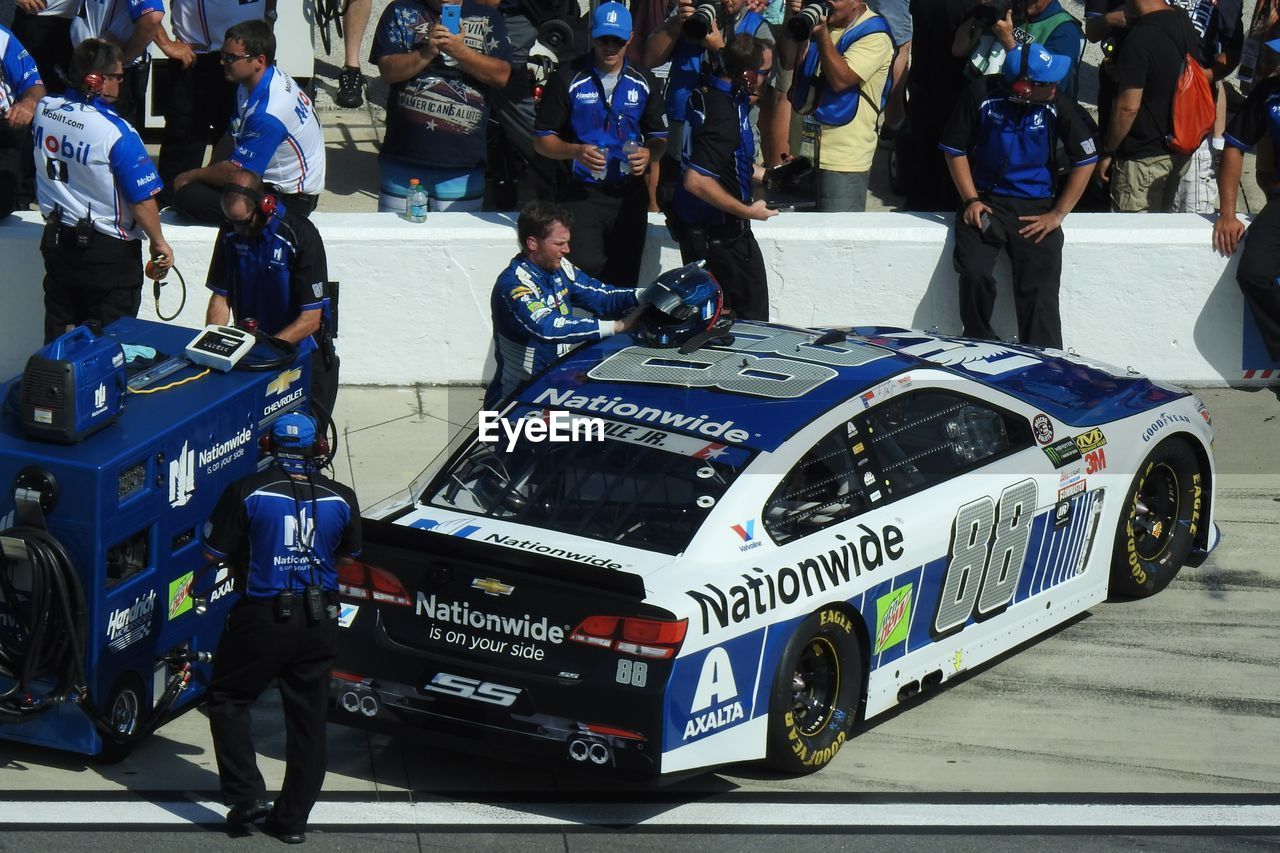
[128,625]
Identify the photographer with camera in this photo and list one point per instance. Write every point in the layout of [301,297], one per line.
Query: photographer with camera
[438,108]
[999,26]
[712,209]
[605,115]
[1000,148]
[844,61]
[287,528]
[692,35]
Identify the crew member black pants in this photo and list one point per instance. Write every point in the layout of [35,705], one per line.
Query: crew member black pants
[1037,273]
[17,180]
[48,39]
[609,227]
[735,260]
[1259,275]
[198,107]
[255,648]
[101,282]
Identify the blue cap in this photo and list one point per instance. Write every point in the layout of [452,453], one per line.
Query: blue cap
[1274,44]
[611,19]
[294,432]
[1044,67]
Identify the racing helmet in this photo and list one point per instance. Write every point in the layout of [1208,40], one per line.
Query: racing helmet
[681,304]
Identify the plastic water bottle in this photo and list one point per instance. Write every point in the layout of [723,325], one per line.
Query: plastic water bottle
[416,202]
[599,174]
[631,146]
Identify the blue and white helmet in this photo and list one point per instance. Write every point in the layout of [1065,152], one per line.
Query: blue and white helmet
[682,303]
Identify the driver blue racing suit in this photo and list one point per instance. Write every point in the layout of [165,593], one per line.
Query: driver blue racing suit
[533,324]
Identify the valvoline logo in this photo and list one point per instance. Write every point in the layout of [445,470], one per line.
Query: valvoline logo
[747,533]
[64,147]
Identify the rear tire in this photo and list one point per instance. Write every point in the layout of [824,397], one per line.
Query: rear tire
[816,692]
[124,710]
[1159,521]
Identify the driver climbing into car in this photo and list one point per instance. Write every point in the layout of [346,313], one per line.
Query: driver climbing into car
[532,302]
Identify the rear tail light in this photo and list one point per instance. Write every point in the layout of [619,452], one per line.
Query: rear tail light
[613,731]
[629,635]
[369,583]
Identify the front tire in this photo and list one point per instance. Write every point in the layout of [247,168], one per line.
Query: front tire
[1159,521]
[816,692]
[124,712]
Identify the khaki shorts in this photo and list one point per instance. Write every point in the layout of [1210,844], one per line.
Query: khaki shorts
[1147,184]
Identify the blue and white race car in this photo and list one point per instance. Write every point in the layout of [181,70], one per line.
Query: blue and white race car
[744,549]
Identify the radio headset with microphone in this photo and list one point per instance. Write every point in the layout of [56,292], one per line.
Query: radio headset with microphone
[264,203]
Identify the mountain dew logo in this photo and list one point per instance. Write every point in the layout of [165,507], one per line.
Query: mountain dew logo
[893,618]
[180,595]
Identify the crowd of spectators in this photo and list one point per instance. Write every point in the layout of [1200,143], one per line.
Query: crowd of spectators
[716,113]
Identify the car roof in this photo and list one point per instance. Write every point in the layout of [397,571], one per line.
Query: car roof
[1069,389]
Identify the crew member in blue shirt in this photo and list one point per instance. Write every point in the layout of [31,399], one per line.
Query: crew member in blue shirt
[1259,271]
[287,529]
[275,131]
[999,146]
[587,116]
[269,265]
[20,90]
[711,213]
[96,187]
[534,298]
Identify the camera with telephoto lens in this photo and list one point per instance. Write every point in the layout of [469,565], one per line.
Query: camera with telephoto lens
[801,25]
[698,25]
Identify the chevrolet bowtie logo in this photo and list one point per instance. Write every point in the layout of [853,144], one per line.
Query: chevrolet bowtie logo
[489,586]
[282,382]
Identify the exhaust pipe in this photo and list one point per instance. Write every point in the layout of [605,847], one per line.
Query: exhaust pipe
[578,749]
[908,690]
[350,702]
[598,753]
[369,705]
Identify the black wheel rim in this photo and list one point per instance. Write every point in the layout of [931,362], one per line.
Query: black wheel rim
[815,686]
[1156,512]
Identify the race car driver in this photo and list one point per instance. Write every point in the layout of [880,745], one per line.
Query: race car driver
[532,300]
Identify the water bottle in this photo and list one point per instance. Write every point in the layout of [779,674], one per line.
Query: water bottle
[416,202]
[631,146]
[599,174]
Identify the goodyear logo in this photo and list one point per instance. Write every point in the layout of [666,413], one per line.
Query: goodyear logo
[1091,440]
[893,618]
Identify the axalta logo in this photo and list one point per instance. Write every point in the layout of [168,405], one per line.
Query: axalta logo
[650,414]
[182,477]
[217,451]
[747,533]
[760,593]
[460,613]
[62,146]
[893,618]
[715,702]
[551,551]
[128,625]
[270,408]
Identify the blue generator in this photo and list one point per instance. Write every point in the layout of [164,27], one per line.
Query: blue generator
[108,607]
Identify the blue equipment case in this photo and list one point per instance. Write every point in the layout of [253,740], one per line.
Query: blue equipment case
[130,507]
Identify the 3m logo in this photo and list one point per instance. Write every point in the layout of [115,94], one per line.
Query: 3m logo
[1095,461]
[282,382]
[182,477]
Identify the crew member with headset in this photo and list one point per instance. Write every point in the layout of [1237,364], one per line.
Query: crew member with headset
[96,188]
[20,90]
[269,266]
[1000,145]
[712,210]
[605,115]
[287,528]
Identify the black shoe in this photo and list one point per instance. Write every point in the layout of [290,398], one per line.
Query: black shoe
[350,84]
[276,831]
[247,812]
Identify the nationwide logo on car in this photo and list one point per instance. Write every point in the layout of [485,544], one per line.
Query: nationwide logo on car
[490,586]
[747,533]
[893,618]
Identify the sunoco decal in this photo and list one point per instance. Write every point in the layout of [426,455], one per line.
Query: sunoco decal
[457,615]
[759,594]
[893,618]
[129,625]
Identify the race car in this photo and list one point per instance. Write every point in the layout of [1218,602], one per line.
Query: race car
[656,560]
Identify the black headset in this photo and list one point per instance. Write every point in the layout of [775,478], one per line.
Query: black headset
[317,449]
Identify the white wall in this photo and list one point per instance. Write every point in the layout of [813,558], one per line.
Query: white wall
[1137,290]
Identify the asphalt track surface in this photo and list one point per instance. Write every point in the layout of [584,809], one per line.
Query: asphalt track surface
[1150,725]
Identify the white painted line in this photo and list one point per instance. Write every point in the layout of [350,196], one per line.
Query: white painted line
[702,814]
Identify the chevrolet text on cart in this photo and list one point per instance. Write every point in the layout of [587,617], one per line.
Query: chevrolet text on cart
[776,535]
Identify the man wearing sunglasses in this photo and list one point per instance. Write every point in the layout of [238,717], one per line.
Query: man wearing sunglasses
[96,187]
[605,116]
[275,132]
[269,266]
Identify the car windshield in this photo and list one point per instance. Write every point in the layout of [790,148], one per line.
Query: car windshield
[637,486]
